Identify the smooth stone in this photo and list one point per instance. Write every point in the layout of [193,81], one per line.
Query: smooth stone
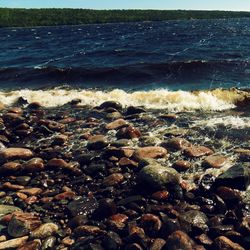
[44,231]
[95,168]
[111,104]
[150,152]
[106,208]
[31,191]
[128,133]
[132,110]
[157,176]
[87,230]
[215,161]
[31,245]
[228,194]
[244,153]
[14,243]
[23,180]
[223,243]
[10,167]
[238,176]
[176,143]
[33,165]
[180,240]
[119,123]
[6,209]
[197,151]
[22,223]
[121,143]
[151,224]
[181,165]
[57,163]
[112,241]
[60,140]
[160,195]
[126,162]
[157,244]
[97,142]
[15,153]
[113,179]
[83,206]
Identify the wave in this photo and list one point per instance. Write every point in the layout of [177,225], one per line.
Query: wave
[217,99]
[171,72]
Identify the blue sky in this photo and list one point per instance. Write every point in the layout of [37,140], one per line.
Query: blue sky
[131,4]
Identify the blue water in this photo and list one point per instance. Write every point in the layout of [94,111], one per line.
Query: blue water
[195,54]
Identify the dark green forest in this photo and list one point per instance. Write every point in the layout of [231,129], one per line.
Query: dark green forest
[48,17]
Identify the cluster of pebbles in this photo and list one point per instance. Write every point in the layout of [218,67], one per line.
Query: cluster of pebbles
[106,177]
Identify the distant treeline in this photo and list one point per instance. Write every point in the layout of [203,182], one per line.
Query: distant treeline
[48,17]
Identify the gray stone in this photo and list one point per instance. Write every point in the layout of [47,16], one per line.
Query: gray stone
[158,176]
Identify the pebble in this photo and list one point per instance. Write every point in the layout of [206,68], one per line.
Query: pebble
[31,245]
[119,123]
[150,152]
[45,230]
[182,165]
[87,230]
[97,142]
[176,143]
[113,179]
[215,161]
[197,151]
[111,104]
[6,209]
[157,176]
[14,243]
[33,165]
[161,195]
[15,153]
[22,223]
[31,191]
[128,133]
[158,244]
[223,243]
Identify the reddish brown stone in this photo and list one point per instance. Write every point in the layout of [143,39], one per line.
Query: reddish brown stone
[151,222]
[65,195]
[182,165]
[33,165]
[119,123]
[58,163]
[30,200]
[88,230]
[31,245]
[15,153]
[128,133]
[10,167]
[8,185]
[223,243]
[160,195]
[126,162]
[67,241]
[215,161]
[227,193]
[176,143]
[150,152]
[31,191]
[157,244]
[113,179]
[197,151]
[14,243]
[60,140]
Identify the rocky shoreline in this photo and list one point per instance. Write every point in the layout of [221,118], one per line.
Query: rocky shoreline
[108,177]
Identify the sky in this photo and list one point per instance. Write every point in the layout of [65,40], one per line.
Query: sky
[131,4]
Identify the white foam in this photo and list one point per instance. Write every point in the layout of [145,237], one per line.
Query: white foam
[159,99]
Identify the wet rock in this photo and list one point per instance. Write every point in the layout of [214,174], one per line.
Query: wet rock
[97,142]
[67,241]
[181,165]
[15,153]
[151,224]
[111,104]
[31,245]
[204,239]
[44,231]
[150,152]
[119,123]
[65,195]
[244,153]
[197,151]
[126,162]
[106,207]
[22,223]
[31,191]
[157,176]
[95,168]
[161,195]
[238,176]
[228,194]
[223,243]
[132,110]
[88,230]
[111,241]
[215,161]
[113,179]
[10,167]
[194,220]
[83,206]
[78,221]
[134,246]
[180,240]
[6,209]
[176,143]
[128,133]
[60,140]
[10,186]
[57,163]
[34,105]
[118,220]
[33,165]
[23,180]
[14,243]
